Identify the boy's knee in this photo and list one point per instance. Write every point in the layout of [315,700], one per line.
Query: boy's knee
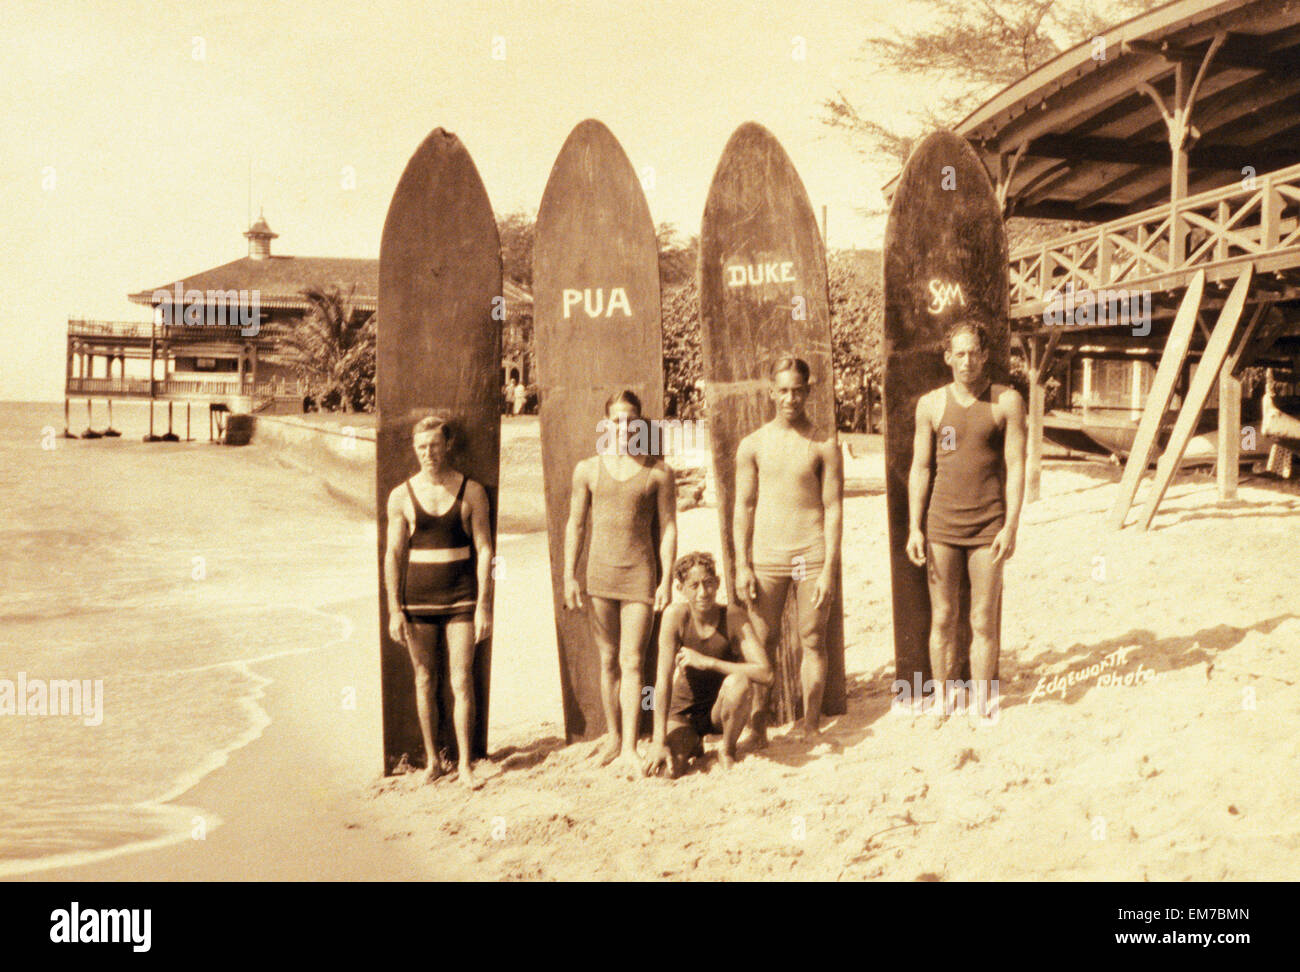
[736,688]
[462,685]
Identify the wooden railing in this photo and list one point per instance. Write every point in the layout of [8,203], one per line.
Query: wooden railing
[79,327]
[191,387]
[1160,248]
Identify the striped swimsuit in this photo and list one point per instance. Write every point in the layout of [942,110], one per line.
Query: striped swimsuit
[439,580]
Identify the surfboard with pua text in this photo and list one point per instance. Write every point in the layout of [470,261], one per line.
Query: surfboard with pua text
[598,331]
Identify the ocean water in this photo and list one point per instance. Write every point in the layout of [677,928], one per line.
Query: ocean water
[164,571]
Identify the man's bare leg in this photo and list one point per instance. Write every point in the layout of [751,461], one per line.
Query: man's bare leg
[944,567]
[731,711]
[985,597]
[605,631]
[634,627]
[812,650]
[460,658]
[420,645]
[765,615]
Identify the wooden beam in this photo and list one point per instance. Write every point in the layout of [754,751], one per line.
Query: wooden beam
[1228,459]
[1207,373]
[1238,50]
[1037,397]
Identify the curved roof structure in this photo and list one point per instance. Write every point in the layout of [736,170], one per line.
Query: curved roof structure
[1085,135]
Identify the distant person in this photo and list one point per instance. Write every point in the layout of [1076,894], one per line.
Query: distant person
[509,396]
[625,488]
[520,398]
[973,432]
[787,527]
[709,663]
[437,570]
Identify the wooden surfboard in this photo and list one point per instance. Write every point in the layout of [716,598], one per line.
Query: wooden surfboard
[945,257]
[1162,390]
[598,331]
[438,347]
[762,296]
[1207,375]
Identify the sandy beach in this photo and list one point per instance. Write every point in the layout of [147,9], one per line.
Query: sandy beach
[1184,773]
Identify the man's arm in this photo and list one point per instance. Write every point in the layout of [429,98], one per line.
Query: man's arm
[668,628]
[918,477]
[398,540]
[1014,453]
[481,532]
[833,503]
[755,666]
[743,517]
[667,536]
[918,480]
[579,499]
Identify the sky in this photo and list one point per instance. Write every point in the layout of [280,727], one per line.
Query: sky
[136,129]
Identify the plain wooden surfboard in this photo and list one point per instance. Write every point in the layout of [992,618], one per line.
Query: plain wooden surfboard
[1162,390]
[759,226]
[594,237]
[439,347]
[1207,375]
[945,256]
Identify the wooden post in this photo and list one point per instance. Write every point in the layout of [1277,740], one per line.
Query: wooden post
[1034,452]
[1229,435]
[187,423]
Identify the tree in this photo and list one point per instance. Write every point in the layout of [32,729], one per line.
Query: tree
[978,48]
[857,324]
[517,231]
[333,350]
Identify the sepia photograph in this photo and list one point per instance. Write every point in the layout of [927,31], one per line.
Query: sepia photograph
[682,441]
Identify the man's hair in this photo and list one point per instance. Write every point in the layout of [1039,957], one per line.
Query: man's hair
[626,395]
[969,325]
[789,362]
[686,563]
[438,421]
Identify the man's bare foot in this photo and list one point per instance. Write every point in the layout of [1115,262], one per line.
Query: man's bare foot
[467,777]
[809,733]
[434,771]
[630,766]
[726,760]
[608,749]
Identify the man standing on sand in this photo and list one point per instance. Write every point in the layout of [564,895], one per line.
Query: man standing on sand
[974,431]
[787,527]
[438,574]
[625,488]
